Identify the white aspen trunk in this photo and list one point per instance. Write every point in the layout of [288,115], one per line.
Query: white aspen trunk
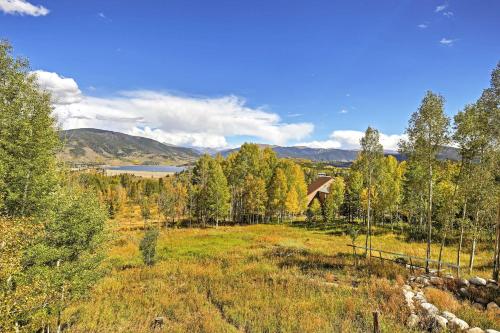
[496,255]
[368,217]
[474,243]
[429,222]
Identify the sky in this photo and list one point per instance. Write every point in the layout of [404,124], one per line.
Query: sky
[287,72]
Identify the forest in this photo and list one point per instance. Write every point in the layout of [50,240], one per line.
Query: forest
[57,226]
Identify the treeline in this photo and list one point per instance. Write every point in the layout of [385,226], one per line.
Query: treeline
[51,229]
[437,199]
[249,186]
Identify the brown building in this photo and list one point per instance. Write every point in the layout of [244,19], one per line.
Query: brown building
[319,189]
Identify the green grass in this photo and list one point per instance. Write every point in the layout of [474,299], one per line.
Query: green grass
[259,278]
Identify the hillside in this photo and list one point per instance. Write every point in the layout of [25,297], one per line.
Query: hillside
[90,145]
[337,155]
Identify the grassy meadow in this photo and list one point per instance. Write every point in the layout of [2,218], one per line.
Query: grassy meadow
[256,278]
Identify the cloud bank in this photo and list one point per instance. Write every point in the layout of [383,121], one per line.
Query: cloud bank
[22,7]
[348,139]
[174,119]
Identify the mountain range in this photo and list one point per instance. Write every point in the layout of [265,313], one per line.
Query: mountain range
[96,146]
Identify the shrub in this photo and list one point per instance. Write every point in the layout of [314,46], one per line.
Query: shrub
[148,246]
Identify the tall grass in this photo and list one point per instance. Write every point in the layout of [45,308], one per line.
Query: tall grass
[259,278]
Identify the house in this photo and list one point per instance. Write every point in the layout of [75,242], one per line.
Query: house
[319,188]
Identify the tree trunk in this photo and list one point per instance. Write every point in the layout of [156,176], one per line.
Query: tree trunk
[25,192]
[429,222]
[474,243]
[472,254]
[496,255]
[441,252]
[368,221]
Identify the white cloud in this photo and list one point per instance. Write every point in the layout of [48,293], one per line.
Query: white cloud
[22,7]
[447,42]
[440,8]
[103,17]
[448,14]
[180,120]
[63,90]
[348,139]
[343,111]
[422,26]
[326,144]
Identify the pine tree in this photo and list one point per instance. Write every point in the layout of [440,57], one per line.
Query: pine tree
[148,246]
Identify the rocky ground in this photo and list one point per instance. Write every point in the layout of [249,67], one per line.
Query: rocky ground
[484,295]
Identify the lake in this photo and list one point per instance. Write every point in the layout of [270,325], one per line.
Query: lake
[148,168]
[145,171]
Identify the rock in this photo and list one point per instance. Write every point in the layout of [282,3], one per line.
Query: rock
[157,322]
[464,292]
[408,294]
[441,322]
[490,330]
[492,306]
[478,306]
[477,281]
[491,281]
[420,298]
[422,280]
[481,301]
[457,325]
[493,287]
[437,281]
[475,330]
[463,283]
[448,315]
[412,321]
[407,287]
[429,308]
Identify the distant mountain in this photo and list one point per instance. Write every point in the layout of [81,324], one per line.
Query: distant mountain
[313,154]
[95,146]
[90,145]
[344,156]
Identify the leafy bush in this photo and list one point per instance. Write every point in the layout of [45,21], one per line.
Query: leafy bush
[148,246]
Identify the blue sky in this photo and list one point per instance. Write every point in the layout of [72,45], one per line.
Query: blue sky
[217,73]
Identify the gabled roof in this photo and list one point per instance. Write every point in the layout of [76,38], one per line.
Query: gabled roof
[321,184]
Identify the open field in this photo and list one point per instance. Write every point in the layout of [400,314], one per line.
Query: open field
[137,173]
[258,278]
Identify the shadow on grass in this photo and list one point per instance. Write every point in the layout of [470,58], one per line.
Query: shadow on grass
[305,260]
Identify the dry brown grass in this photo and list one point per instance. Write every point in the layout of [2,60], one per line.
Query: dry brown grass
[259,278]
[442,299]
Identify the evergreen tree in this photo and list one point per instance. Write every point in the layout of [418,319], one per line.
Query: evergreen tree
[148,246]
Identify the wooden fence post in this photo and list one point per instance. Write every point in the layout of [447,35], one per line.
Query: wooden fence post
[376,326]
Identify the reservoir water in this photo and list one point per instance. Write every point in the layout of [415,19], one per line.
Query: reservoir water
[148,168]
